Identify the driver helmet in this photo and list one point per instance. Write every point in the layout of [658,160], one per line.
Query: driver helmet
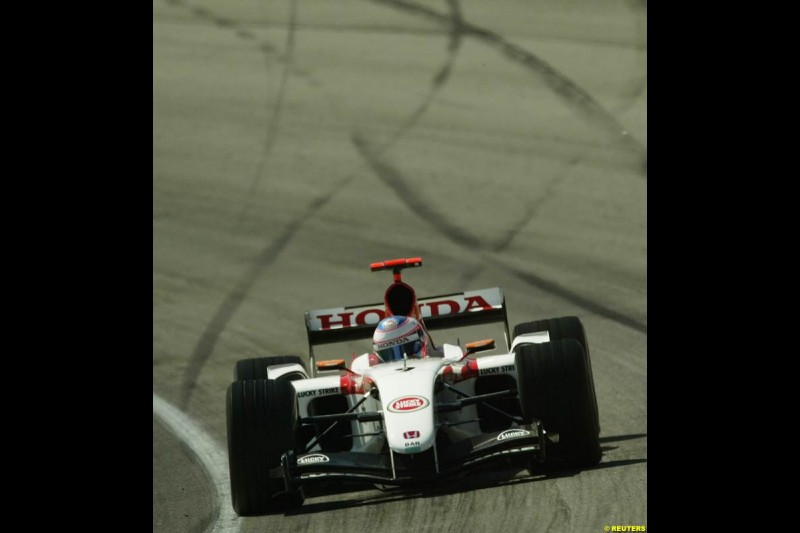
[396,335]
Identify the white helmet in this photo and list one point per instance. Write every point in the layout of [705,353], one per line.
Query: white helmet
[397,335]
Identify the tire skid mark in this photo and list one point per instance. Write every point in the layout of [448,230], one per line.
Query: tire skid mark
[533,209]
[269,50]
[234,299]
[207,14]
[570,92]
[440,78]
[395,180]
[277,112]
[503,243]
[245,34]
[577,299]
[636,88]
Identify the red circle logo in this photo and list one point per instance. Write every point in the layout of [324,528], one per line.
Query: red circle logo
[407,404]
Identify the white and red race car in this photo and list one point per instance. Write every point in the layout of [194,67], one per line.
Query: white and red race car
[406,422]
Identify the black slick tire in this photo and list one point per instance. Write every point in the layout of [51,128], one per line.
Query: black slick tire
[565,327]
[554,387]
[262,425]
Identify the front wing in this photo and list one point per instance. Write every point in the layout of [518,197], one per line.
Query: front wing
[526,441]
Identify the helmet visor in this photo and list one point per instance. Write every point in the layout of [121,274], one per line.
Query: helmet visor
[412,348]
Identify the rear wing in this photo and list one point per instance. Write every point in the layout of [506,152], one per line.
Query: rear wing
[338,324]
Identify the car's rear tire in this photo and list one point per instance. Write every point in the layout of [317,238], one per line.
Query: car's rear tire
[256,368]
[554,386]
[565,327]
[262,425]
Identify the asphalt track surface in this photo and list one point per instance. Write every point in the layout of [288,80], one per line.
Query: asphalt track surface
[294,142]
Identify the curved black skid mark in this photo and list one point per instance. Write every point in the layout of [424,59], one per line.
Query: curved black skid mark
[570,92]
[502,244]
[277,112]
[208,340]
[395,180]
[574,297]
[207,14]
[637,85]
[533,208]
[440,78]
[392,178]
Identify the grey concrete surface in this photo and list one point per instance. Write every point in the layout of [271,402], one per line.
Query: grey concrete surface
[504,142]
[182,499]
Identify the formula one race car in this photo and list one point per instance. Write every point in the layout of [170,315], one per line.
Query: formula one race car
[410,411]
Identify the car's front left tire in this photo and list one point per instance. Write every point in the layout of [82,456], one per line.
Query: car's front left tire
[262,424]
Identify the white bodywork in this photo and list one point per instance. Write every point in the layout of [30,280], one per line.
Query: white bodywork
[537,337]
[408,400]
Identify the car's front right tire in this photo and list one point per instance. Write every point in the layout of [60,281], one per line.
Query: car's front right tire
[554,386]
[565,327]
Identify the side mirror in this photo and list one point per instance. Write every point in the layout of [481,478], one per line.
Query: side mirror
[480,346]
[453,353]
[331,364]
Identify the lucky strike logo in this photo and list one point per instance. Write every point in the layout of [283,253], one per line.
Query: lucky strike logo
[313,458]
[513,434]
[407,404]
